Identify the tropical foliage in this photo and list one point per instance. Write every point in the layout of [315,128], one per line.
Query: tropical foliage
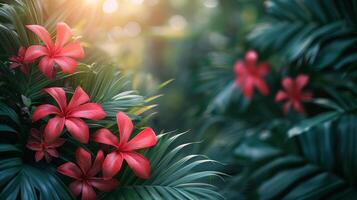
[297,142]
[34,165]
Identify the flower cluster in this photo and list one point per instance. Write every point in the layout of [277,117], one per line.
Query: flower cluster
[249,75]
[71,117]
[60,53]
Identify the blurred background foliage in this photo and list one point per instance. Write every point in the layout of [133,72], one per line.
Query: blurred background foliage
[186,50]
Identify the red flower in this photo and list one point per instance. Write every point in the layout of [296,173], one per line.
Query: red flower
[42,148]
[250,75]
[69,115]
[293,93]
[59,52]
[124,149]
[18,61]
[84,172]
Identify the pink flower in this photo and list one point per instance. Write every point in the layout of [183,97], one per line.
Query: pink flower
[84,173]
[59,52]
[42,148]
[124,149]
[18,61]
[69,115]
[293,94]
[250,75]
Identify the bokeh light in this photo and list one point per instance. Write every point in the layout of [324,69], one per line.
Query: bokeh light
[110,6]
[177,22]
[132,29]
[210,3]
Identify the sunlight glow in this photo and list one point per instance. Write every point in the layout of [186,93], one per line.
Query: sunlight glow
[110,6]
[132,29]
[92,2]
[137,1]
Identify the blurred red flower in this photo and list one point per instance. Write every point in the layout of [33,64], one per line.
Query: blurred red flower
[69,115]
[124,149]
[59,53]
[249,74]
[43,149]
[84,173]
[292,93]
[18,61]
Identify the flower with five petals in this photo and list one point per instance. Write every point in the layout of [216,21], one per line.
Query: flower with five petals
[84,173]
[249,74]
[68,115]
[124,149]
[293,94]
[18,61]
[58,52]
[37,143]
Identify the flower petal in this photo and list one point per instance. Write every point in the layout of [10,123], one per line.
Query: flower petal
[263,69]
[57,143]
[15,65]
[54,128]
[79,97]
[42,33]
[112,164]
[97,165]
[248,88]
[59,95]
[21,52]
[83,159]
[281,95]
[104,136]
[34,146]
[262,86]
[139,164]
[39,155]
[48,157]
[125,127]
[287,83]
[286,107]
[70,169]
[302,80]
[34,52]
[144,139]
[88,192]
[63,35]
[239,68]
[251,58]
[78,129]
[76,188]
[306,96]
[53,152]
[44,110]
[36,134]
[298,107]
[46,66]
[73,50]
[91,111]
[24,68]
[104,185]
[68,65]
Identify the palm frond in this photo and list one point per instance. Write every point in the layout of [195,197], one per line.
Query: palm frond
[323,170]
[174,175]
[308,32]
[19,177]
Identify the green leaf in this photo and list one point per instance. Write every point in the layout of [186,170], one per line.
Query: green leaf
[173,175]
[307,124]
[6,128]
